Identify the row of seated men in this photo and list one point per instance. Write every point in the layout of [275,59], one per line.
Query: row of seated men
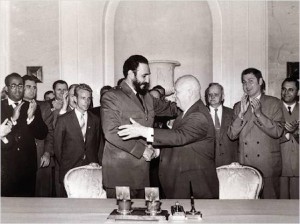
[134,134]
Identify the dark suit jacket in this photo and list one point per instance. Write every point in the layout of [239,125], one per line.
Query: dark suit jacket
[188,155]
[19,156]
[290,148]
[259,143]
[69,146]
[46,145]
[123,162]
[226,149]
[96,111]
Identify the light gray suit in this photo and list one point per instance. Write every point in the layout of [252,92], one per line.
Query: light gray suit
[259,141]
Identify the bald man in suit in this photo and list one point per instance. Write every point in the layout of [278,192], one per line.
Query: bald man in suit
[187,155]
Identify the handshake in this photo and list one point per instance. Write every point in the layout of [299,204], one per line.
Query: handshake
[150,153]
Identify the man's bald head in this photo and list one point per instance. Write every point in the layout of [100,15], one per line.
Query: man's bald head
[188,91]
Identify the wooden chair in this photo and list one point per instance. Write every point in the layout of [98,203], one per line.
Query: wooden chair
[239,182]
[85,182]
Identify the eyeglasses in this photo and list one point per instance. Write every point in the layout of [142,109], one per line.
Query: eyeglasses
[14,86]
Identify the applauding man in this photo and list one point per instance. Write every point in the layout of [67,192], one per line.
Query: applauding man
[257,124]
[18,149]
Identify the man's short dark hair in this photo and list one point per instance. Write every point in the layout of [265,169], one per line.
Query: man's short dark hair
[59,82]
[30,78]
[291,79]
[258,76]
[11,76]
[160,89]
[84,87]
[132,63]
[48,92]
[104,89]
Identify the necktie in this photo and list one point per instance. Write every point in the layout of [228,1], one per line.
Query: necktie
[217,121]
[138,96]
[82,125]
[290,112]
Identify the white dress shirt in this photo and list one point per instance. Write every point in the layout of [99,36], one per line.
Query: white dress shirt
[219,113]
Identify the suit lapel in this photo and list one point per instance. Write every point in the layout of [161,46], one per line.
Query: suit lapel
[192,109]
[224,123]
[128,91]
[89,126]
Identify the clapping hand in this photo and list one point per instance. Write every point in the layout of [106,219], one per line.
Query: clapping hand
[5,127]
[57,104]
[16,113]
[291,127]
[256,105]
[244,105]
[31,109]
[65,100]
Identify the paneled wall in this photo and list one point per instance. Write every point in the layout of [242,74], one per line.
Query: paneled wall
[165,31]
[87,41]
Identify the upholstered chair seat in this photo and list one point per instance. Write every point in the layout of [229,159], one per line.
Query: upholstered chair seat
[239,182]
[85,182]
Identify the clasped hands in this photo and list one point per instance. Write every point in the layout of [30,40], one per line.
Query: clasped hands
[134,130]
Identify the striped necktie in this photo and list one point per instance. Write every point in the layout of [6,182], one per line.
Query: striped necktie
[82,126]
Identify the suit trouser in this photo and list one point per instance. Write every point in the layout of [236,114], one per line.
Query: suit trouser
[21,186]
[271,189]
[289,187]
[44,182]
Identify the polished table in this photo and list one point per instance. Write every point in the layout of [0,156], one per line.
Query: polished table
[67,210]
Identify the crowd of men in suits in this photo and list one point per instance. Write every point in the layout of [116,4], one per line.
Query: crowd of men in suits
[141,139]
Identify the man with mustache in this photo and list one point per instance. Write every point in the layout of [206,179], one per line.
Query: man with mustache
[126,163]
[257,124]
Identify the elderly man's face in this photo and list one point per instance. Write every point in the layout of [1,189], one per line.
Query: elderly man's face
[181,96]
[215,96]
[15,89]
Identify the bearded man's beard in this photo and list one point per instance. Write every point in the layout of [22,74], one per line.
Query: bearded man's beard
[137,85]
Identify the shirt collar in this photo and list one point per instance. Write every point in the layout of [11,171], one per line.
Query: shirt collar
[131,87]
[292,106]
[11,102]
[213,109]
[258,97]
[79,114]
